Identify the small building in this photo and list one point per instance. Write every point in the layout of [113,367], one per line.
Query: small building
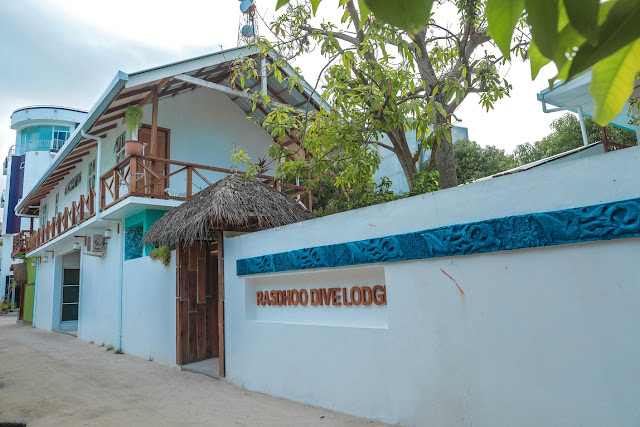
[95,201]
[41,131]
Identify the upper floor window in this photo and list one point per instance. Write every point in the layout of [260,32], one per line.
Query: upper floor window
[56,209]
[91,180]
[73,183]
[119,147]
[43,215]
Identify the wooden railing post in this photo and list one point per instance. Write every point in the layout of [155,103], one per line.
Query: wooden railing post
[92,202]
[116,185]
[102,193]
[133,174]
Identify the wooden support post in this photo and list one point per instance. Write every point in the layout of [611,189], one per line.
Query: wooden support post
[133,174]
[31,227]
[154,124]
[221,302]
[189,181]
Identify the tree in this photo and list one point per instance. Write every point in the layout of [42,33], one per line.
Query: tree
[474,162]
[576,35]
[381,82]
[567,135]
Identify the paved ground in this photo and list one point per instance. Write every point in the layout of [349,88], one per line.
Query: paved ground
[48,378]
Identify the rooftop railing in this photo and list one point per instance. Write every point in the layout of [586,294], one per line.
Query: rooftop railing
[52,145]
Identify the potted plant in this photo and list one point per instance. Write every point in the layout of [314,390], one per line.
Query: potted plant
[133,116]
[5,307]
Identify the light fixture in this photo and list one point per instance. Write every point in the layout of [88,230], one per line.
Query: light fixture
[76,246]
[33,264]
[45,259]
[107,232]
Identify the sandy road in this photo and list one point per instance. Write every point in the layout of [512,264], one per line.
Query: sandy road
[48,378]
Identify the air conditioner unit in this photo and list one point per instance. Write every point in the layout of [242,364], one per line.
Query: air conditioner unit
[96,244]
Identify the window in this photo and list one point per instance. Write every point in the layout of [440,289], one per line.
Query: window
[56,208]
[119,147]
[43,215]
[91,180]
[60,136]
[73,183]
[70,294]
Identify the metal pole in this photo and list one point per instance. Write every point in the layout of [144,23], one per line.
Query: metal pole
[583,128]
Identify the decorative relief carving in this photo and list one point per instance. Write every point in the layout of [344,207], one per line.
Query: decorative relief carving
[598,222]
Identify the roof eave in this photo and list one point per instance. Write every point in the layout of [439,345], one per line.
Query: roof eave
[116,85]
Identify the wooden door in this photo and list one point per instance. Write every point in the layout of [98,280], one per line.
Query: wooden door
[196,303]
[156,187]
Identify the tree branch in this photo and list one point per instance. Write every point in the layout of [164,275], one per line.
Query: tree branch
[381,144]
[334,34]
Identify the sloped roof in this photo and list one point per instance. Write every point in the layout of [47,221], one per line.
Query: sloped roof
[233,203]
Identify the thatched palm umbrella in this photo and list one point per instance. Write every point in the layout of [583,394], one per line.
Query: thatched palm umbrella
[233,203]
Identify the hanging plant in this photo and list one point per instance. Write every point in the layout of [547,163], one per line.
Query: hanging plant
[162,254]
[133,116]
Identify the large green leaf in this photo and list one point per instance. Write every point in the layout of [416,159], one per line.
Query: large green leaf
[364,11]
[620,28]
[281,3]
[536,59]
[612,82]
[502,17]
[314,5]
[405,14]
[583,15]
[542,16]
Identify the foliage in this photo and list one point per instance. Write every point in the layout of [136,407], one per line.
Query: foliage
[119,351]
[474,162]
[7,304]
[133,116]
[576,35]
[330,199]
[567,135]
[162,254]
[109,347]
[380,82]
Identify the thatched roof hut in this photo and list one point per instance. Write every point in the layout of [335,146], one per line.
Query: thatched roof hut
[233,203]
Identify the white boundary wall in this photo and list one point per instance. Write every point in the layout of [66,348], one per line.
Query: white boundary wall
[543,336]
[149,309]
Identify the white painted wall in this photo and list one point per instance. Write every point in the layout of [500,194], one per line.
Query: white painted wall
[205,126]
[544,336]
[149,309]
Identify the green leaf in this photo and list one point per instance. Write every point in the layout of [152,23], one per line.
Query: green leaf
[405,14]
[542,16]
[613,81]
[536,59]
[583,15]
[440,109]
[502,17]
[619,29]
[281,3]
[314,5]
[364,12]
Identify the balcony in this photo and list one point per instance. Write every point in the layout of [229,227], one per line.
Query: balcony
[20,242]
[151,177]
[65,221]
[51,145]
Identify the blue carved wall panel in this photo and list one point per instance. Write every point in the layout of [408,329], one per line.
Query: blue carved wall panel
[605,221]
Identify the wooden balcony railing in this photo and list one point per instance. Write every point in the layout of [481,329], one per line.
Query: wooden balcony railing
[20,242]
[152,177]
[77,214]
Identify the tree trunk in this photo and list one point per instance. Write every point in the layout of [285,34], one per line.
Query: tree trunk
[446,160]
[403,153]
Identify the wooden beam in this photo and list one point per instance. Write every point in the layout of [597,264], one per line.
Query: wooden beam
[74,157]
[155,90]
[133,92]
[154,122]
[69,163]
[227,90]
[122,106]
[109,119]
[95,132]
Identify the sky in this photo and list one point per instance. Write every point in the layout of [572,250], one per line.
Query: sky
[66,52]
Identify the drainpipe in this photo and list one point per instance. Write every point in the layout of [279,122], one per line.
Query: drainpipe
[121,222]
[98,170]
[583,128]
